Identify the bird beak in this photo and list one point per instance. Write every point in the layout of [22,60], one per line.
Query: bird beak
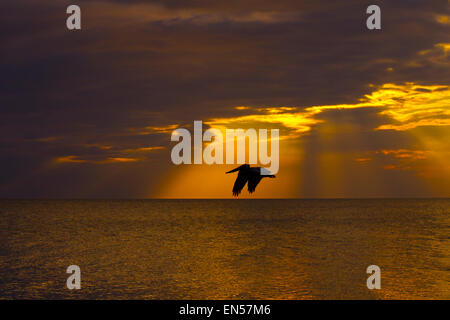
[234,170]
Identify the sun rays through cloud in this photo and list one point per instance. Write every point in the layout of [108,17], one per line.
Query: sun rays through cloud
[405,108]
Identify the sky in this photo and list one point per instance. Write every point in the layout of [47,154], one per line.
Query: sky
[89,113]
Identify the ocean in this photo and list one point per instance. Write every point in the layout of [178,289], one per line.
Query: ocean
[225,249]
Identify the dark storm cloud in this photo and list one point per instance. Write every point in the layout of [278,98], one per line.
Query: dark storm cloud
[156,63]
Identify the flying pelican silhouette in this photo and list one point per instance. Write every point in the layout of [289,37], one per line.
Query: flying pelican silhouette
[251,175]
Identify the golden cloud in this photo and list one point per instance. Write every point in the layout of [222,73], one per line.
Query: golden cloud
[412,105]
[156,129]
[408,105]
[443,19]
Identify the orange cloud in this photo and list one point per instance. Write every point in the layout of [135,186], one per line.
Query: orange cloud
[76,159]
[69,159]
[144,149]
[406,154]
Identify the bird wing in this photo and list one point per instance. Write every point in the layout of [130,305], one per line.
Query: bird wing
[253,182]
[239,184]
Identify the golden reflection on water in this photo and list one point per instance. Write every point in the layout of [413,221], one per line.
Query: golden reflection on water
[225,249]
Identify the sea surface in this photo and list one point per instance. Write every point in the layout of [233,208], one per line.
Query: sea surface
[225,249]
